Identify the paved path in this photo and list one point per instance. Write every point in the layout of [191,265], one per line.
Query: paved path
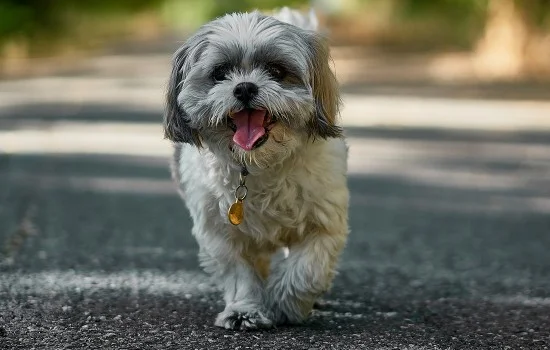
[450,219]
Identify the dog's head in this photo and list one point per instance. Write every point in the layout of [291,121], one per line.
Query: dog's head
[252,87]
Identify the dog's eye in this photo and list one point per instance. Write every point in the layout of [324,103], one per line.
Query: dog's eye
[276,71]
[220,73]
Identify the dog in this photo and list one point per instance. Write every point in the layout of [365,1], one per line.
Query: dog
[261,162]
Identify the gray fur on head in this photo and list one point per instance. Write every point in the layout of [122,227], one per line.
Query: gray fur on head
[248,48]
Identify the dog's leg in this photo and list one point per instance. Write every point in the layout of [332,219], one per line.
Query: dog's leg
[303,276]
[242,285]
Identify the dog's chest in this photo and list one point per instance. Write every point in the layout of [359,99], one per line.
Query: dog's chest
[276,208]
[282,202]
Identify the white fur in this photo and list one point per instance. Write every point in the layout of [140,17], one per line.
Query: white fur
[297,193]
[288,15]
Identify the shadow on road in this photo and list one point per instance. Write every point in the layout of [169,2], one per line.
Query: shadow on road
[429,256]
[110,212]
[447,135]
[43,114]
[529,90]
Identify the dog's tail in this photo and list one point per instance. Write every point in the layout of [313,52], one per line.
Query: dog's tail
[306,21]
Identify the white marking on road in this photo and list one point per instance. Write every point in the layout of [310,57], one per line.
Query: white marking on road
[414,162]
[140,139]
[445,113]
[146,91]
[143,186]
[145,281]
[341,303]
[475,204]
[334,314]
[520,300]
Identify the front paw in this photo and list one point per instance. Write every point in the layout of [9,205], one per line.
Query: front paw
[243,319]
[290,310]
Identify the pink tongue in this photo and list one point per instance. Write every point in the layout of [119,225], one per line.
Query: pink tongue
[250,127]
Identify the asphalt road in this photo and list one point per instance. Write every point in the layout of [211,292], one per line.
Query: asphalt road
[449,246]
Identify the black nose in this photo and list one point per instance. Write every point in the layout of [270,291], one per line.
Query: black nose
[245,92]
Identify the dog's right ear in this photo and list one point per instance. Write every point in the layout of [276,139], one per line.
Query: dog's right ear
[176,121]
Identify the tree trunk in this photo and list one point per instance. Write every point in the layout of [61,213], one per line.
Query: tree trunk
[501,52]
[514,45]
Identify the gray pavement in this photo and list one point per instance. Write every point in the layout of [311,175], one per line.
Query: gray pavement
[448,249]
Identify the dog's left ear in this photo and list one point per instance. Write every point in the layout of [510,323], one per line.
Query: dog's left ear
[325,91]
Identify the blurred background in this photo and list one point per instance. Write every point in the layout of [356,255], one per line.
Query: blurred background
[447,114]
[463,39]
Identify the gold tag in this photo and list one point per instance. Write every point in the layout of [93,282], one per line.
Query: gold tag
[236,212]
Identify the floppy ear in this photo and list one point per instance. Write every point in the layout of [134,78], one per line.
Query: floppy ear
[325,91]
[176,121]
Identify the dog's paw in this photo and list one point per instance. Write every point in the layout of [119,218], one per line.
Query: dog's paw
[290,311]
[243,320]
[281,318]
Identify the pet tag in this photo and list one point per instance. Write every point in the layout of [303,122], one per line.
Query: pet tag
[236,213]
[236,210]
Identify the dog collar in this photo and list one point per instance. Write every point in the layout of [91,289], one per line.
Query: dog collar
[235,213]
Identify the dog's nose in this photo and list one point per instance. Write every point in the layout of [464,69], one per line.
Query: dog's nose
[245,92]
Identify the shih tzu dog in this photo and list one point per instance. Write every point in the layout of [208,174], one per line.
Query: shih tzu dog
[260,162]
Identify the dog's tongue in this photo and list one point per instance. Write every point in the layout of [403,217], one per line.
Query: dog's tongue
[250,127]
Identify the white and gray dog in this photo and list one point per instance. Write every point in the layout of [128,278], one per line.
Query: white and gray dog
[261,162]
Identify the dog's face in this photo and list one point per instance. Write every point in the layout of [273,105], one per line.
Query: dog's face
[253,88]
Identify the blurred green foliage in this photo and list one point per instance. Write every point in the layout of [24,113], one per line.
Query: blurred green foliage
[186,14]
[247,5]
[434,24]
[34,20]
[29,18]
[536,12]
[458,21]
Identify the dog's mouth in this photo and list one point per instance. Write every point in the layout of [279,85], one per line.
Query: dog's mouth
[251,127]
